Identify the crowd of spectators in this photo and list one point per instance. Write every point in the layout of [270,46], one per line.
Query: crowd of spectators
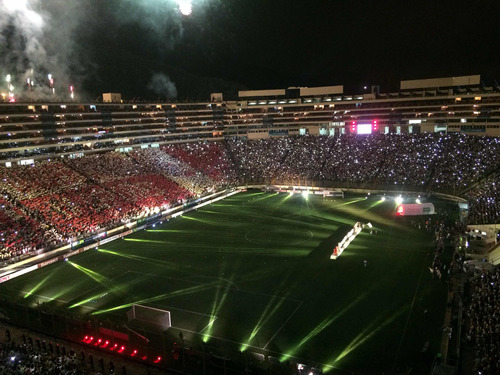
[54,202]
[158,161]
[430,161]
[17,359]
[209,157]
[484,201]
[24,354]
[18,233]
[31,181]
[483,322]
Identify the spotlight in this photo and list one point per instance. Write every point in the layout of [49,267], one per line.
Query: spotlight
[399,199]
[383,199]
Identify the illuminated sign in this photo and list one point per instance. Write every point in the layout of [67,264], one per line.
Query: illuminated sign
[364,129]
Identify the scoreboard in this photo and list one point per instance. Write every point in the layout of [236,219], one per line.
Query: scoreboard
[364,127]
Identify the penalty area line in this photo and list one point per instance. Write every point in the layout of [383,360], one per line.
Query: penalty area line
[285,322]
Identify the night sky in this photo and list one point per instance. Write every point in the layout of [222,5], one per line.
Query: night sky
[149,50]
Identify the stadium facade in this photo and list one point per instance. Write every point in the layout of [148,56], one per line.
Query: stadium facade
[38,130]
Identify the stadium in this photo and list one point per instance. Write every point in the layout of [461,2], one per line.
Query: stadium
[291,231]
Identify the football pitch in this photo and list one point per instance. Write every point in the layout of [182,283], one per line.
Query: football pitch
[253,273]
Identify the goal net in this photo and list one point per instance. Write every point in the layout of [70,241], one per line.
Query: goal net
[149,317]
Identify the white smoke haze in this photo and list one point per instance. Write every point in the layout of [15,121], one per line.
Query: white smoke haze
[39,37]
[162,85]
[36,41]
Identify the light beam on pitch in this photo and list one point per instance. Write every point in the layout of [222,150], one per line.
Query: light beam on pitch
[322,326]
[272,306]
[92,274]
[175,293]
[218,302]
[366,334]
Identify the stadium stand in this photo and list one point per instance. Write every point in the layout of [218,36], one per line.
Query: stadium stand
[55,202]
[482,321]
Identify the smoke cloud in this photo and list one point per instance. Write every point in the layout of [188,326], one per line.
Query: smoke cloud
[42,39]
[162,85]
[35,41]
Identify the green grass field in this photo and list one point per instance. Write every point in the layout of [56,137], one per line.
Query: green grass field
[252,272]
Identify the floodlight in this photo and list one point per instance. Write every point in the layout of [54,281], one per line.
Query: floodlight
[399,199]
[383,199]
[305,193]
[417,200]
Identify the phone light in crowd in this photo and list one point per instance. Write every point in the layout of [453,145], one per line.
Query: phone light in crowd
[399,199]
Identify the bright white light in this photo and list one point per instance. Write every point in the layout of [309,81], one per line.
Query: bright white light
[22,7]
[417,200]
[399,199]
[383,199]
[305,194]
[364,129]
[185,6]
[8,78]
[14,4]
